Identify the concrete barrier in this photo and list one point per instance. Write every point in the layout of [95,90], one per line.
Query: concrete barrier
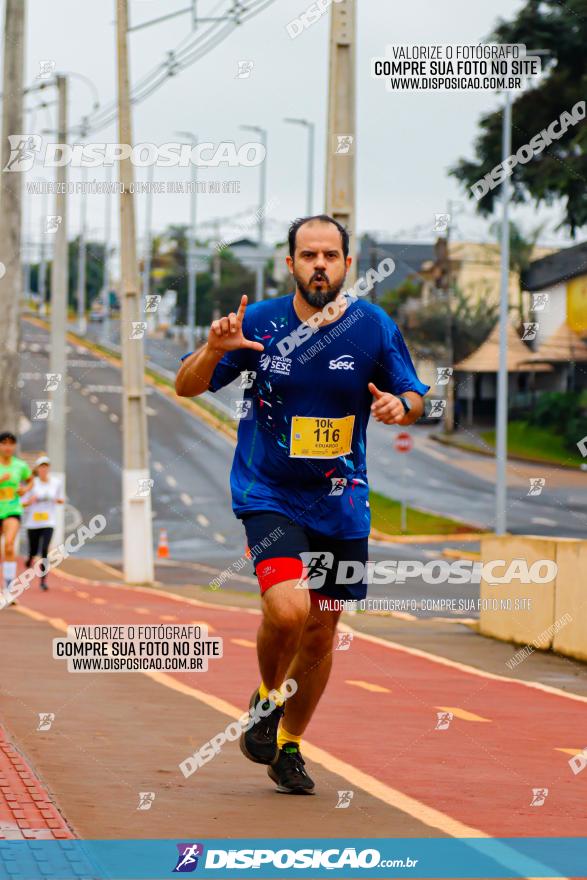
[571,598]
[516,611]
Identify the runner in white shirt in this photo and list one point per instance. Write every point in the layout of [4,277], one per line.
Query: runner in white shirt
[40,505]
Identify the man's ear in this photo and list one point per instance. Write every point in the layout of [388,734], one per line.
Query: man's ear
[290,264]
[349,262]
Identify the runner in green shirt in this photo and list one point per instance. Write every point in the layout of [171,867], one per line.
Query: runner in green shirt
[15,480]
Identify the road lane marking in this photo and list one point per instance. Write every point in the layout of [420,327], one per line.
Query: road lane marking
[158,466]
[168,617]
[83,594]
[392,797]
[103,407]
[570,751]
[105,567]
[462,667]
[220,538]
[113,417]
[462,714]
[451,553]
[142,610]
[543,521]
[430,816]
[186,499]
[376,640]
[202,520]
[368,686]
[433,453]
[244,643]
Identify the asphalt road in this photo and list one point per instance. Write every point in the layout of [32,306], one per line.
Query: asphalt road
[190,464]
[432,477]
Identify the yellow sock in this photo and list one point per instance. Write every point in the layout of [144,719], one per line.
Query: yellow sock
[283,737]
[264,693]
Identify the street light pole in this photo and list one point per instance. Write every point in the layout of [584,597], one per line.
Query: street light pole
[42,285]
[261,210]
[449,413]
[502,375]
[56,427]
[136,498]
[105,294]
[310,184]
[81,260]
[191,255]
[148,236]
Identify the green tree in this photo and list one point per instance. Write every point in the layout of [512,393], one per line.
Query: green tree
[473,319]
[169,267]
[94,272]
[559,172]
[392,300]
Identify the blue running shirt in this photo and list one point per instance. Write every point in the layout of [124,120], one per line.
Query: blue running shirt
[314,403]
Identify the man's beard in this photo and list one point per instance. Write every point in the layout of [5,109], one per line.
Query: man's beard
[319,298]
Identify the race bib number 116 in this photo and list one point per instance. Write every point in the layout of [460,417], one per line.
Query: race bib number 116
[321,438]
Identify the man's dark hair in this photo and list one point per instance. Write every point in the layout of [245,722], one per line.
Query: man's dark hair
[321,218]
[7,435]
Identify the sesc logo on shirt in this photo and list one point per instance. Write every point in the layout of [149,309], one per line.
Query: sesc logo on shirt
[275,364]
[343,362]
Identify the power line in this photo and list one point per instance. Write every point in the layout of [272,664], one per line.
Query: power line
[179,59]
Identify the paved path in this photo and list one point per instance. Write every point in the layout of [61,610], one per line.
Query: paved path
[115,735]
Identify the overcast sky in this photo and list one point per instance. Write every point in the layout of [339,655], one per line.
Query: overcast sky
[405,142]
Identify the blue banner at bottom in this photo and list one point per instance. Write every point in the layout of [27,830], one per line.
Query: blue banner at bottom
[226,858]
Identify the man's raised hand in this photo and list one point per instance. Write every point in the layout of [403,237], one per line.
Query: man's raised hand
[226,334]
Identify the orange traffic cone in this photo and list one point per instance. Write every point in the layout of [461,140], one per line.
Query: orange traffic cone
[163,545]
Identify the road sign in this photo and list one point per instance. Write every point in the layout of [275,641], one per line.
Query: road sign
[403,442]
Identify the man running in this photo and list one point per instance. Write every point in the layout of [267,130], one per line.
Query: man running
[15,480]
[320,363]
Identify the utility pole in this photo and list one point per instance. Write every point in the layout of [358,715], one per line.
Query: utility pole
[11,215]
[341,128]
[56,427]
[136,498]
[501,429]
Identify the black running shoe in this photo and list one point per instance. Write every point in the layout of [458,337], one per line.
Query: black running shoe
[259,743]
[288,773]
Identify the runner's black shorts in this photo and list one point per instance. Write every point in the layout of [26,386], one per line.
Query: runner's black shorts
[276,544]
